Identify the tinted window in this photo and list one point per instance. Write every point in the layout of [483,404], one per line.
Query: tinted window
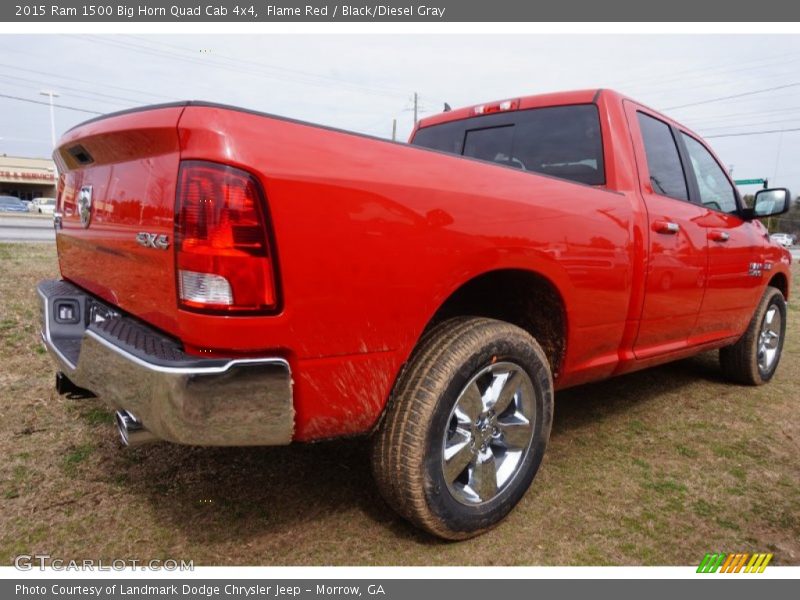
[716,192]
[561,141]
[494,144]
[663,160]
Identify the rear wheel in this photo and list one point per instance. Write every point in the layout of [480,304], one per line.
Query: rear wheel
[754,358]
[467,427]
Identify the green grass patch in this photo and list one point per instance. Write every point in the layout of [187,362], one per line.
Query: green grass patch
[75,457]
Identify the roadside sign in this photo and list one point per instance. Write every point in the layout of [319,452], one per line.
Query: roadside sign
[748,181]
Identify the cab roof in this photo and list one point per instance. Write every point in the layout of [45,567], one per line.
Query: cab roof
[518,103]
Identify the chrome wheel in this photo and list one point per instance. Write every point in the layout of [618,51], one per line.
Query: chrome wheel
[769,339]
[488,433]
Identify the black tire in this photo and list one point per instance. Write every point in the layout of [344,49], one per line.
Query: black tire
[740,361]
[408,453]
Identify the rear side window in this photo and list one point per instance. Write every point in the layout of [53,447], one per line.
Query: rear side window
[716,192]
[663,160]
[560,141]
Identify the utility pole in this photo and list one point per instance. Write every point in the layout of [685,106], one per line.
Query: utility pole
[416,104]
[51,94]
[394,130]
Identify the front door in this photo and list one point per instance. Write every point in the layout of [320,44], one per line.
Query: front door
[733,285]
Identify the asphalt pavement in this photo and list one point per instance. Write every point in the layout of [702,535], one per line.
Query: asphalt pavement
[26,228]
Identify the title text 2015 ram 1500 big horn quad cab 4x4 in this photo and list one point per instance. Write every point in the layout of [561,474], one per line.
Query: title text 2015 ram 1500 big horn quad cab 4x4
[235,278]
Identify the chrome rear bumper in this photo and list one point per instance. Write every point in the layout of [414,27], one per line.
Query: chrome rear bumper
[177,397]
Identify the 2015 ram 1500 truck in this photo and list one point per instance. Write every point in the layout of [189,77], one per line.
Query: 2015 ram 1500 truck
[235,278]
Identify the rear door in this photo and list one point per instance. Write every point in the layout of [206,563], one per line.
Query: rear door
[677,250]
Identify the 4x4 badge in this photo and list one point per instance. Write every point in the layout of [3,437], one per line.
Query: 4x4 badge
[152,240]
[85,205]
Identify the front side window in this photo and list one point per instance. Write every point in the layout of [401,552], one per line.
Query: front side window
[663,160]
[716,191]
[560,141]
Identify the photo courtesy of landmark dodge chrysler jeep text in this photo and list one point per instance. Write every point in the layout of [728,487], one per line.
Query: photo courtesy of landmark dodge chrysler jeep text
[233,278]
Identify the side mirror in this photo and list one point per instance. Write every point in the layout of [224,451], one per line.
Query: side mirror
[769,203]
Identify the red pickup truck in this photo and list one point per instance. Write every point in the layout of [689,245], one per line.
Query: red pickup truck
[236,278]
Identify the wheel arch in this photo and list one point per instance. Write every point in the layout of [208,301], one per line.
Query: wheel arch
[523,297]
[780,281]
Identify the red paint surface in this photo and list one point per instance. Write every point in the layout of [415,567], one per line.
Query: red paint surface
[371,238]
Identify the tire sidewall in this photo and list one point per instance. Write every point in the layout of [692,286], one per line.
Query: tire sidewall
[468,519]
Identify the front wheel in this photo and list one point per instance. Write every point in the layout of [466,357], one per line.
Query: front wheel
[466,428]
[754,358]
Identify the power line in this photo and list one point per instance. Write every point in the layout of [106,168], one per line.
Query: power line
[750,113]
[726,67]
[64,106]
[262,65]
[297,77]
[75,91]
[72,79]
[741,133]
[742,95]
[781,121]
[710,79]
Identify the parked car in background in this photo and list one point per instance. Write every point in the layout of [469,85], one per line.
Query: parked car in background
[12,204]
[784,239]
[44,206]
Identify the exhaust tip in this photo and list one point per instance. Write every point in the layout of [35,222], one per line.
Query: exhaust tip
[131,430]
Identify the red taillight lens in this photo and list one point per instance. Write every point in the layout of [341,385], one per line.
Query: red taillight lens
[223,258]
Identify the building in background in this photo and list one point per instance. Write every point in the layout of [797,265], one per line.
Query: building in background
[27,178]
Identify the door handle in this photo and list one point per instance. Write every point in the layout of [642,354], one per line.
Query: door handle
[719,236]
[667,227]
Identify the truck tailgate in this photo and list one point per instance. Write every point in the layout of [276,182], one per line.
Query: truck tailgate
[115,211]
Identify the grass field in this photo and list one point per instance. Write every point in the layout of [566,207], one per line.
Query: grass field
[658,467]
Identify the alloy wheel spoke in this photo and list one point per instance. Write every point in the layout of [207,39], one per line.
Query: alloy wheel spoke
[495,389]
[470,404]
[456,458]
[515,433]
[483,478]
[507,393]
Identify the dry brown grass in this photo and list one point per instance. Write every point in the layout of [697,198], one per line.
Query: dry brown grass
[657,467]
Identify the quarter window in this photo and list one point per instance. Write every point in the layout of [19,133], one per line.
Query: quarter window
[716,191]
[663,160]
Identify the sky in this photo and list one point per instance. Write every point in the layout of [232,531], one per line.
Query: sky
[716,84]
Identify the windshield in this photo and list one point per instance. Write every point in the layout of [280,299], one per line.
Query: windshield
[9,201]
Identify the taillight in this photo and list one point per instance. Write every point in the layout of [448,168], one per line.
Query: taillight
[223,258]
